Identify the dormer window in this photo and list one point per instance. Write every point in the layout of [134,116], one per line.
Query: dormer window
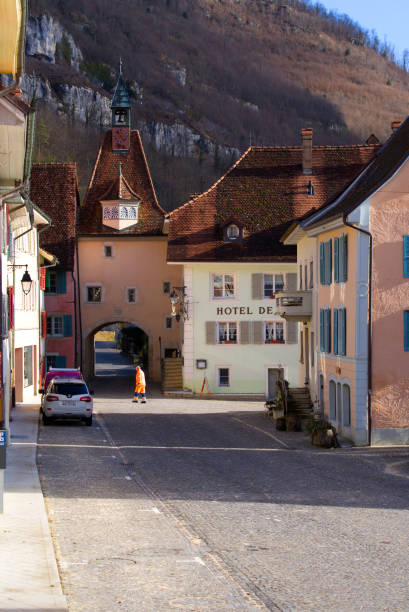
[233,232]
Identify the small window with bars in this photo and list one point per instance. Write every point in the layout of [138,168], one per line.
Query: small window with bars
[223,377]
[131,295]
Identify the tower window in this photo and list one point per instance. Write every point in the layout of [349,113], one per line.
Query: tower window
[120,116]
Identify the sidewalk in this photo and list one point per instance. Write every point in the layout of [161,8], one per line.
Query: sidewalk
[29,578]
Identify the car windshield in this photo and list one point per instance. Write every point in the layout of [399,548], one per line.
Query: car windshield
[69,388]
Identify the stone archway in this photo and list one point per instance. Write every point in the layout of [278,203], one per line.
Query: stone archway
[88,346]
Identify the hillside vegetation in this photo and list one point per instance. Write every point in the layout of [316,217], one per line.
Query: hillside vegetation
[239,72]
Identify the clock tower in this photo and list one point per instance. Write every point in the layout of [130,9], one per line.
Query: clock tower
[121,117]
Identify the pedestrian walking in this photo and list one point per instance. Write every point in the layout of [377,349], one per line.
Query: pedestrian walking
[140,385]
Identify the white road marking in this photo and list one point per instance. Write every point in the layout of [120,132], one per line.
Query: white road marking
[156,510]
[128,478]
[195,560]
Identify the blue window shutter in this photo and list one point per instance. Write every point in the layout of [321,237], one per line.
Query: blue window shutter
[322,336]
[406,256]
[328,262]
[336,259]
[322,264]
[406,330]
[335,331]
[67,325]
[342,320]
[60,361]
[344,274]
[328,330]
[61,285]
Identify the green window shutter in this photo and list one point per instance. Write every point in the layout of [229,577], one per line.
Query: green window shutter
[322,264]
[67,326]
[336,259]
[406,256]
[47,280]
[60,361]
[406,330]
[322,331]
[336,331]
[61,285]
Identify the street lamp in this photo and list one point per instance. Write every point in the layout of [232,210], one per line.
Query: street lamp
[26,281]
[179,305]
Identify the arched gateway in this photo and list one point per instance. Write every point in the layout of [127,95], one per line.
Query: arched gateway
[122,244]
[89,338]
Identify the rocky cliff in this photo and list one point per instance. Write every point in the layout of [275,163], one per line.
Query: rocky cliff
[47,40]
[208,78]
[90,104]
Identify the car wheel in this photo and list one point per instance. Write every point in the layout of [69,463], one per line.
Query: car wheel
[88,421]
[46,420]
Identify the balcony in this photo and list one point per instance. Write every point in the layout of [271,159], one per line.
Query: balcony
[294,305]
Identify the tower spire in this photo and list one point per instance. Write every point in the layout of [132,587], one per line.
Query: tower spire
[121,116]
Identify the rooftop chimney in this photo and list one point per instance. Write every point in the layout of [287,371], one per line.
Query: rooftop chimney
[306,138]
[395,125]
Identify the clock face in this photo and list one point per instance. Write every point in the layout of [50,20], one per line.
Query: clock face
[120,138]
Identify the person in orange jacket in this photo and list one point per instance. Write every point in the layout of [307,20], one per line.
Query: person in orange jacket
[140,385]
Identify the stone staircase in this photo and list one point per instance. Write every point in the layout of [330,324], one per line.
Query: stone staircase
[172,377]
[299,402]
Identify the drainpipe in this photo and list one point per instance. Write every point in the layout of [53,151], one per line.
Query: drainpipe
[369,383]
[39,298]
[79,299]
[75,319]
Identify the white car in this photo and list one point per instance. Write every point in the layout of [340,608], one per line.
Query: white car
[67,398]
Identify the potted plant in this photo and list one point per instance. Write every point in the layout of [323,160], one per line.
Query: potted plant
[322,433]
[278,407]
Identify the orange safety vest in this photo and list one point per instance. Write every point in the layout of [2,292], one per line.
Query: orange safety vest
[140,381]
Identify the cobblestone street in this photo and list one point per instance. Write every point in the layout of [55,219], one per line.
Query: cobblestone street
[200,505]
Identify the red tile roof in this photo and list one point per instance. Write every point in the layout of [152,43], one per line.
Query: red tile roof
[265,190]
[54,188]
[387,160]
[135,182]
[14,97]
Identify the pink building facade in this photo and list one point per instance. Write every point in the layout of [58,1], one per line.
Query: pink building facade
[360,300]
[54,186]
